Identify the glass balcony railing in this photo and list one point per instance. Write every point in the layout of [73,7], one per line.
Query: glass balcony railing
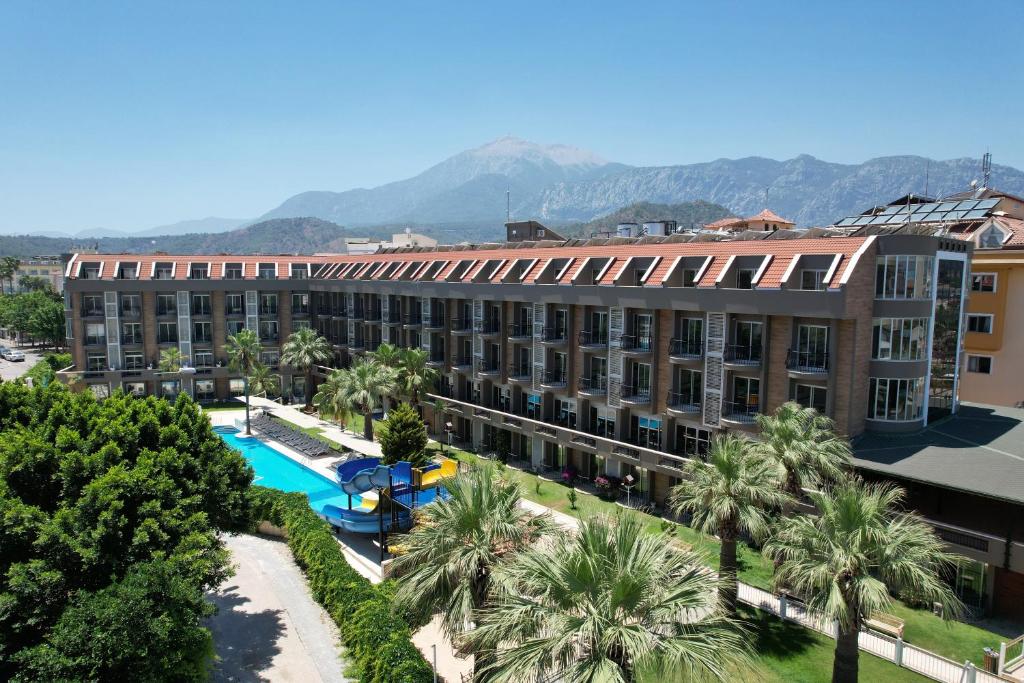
[807,361]
[686,348]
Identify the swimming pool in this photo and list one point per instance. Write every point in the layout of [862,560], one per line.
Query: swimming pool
[276,470]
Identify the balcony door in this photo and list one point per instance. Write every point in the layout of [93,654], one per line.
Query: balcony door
[812,345]
[599,327]
[690,332]
[640,378]
[643,327]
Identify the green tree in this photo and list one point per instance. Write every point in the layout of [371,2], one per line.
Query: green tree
[243,351]
[368,383]
[452,553]
[170,360]
[403,436]
[8,267]
[609,603]
[729,495]
[46,322]
[91,491]
[415,377]
[332,399]
[263,381]
[800,441]
[34,283]
[388,355]
[304,349]
[847,560]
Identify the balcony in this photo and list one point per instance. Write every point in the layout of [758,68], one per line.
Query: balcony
[203,339]
[635,344]
[234,310]
[95,340]
[635,395]
[520,332]
[685,349]
[462,363]
[520,373]
[488,327]
[266,338]
[300,310]
[807,362]
[436,360]
[554,379]
[373,316]
[592,386]
[554,335]
[740,412]
[130,312]
[593,340]
[201,311]
[488,366]
[462,326]
[435,321]
[356,345]
[355,314]
[131,339]
[167,339]
[268,310]
[392,318]
[743,354]
[412,320]
[166,310]
[683,402]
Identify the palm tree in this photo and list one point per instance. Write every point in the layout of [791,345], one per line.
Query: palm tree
[729,495]
[243,351]
[801,442]
[8,267]
[387,355]
[415,376]
[440,410]
[263,381]
[332,399]
[368,383]
[847,560]
[609,603]
[454,549]
[170,360]
[303,349]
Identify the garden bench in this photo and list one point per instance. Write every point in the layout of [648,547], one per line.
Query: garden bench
[885,623]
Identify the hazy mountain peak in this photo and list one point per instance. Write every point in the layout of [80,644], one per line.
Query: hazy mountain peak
[513,147]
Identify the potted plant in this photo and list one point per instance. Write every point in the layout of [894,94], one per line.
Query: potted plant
[569,475]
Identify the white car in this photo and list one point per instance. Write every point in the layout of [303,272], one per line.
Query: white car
[12,355]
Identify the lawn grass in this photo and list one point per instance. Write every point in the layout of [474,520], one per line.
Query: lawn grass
[955,640]
[223,405]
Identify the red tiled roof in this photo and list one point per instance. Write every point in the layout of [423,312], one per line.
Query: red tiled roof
[771,217]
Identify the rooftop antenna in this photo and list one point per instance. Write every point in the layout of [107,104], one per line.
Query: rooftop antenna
[508,205]
[986,169]
[927,168]
[766,197]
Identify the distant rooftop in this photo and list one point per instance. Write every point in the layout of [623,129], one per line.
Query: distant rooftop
[979,450]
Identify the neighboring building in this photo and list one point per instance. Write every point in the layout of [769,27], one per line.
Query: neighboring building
[399,240]
[530,231]
[49,268]
[766,221]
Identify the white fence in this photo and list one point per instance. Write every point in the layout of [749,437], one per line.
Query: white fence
[891,649]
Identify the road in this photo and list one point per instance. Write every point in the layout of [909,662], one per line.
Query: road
[9,370]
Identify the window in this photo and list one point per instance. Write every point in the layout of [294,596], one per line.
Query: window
[236,387]
[95,334]
[163,271]
[812,279]
[896,399]
[640,381]
[599,327]
[199,271]
[692,441]
[235,326]
[268,330]
[270,358]
[689,336]
[992,238]
[203,359]
[899,339]
[134,361]
[300,303]
[565,412]
[983,282]
[747,346]
[204,389]
[643,328]
[170,388]
[201,304]
[979,364]
[131,333]
[811,396]
[268,304]
[100,390]
[534,408]
[96,362]
[502,399]
[689,277]
[166,304]
[646,431]
[903,277]
[688,388]
[602,421]
[234,304]
[811,347]
[746,393]
[232,271]
[304,324]
[92,304]
[131,305]
[137,389]
[300,270]
[202,332]
[267,271]
[745,278]
[979,322]
[167,333]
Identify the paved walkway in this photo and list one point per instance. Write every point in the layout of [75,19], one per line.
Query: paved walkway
[268,627]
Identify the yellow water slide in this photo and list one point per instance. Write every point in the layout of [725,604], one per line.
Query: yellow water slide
[448,468]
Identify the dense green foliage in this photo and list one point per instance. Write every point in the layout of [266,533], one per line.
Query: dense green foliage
[378,637]
[39,314]
[403,436]
[45,371]
[108,520]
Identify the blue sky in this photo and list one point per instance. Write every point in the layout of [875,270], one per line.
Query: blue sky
[129,115]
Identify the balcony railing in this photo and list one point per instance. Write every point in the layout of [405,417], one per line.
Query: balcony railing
[412,319]
[554,378]
[92,312]
[520,331]
[234,310]
[635,394]
[683,402]
[166,310]
[373,316]
[95,340]
[489,326]
[807,361]
[592,385]
[520,372]
[434,320]
[462,325]
[743,354]
[554,334]
[436,358]
[201,310]
[167,339]
[131,339]
[129,312]
[686,348]
[462,361]
[739,411]
[268,310]
[356,314]
[593,338]
[488,365]
[635,343]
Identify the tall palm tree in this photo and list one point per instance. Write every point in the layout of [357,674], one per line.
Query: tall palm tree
[302,350]
[368,384]
[170,360]
[332,399]
[729,495]
[801,442]
[847,560]
[387,355]
[263,381]
[609,603]
[452,553]
[243,351]
[8,267]
[415,377]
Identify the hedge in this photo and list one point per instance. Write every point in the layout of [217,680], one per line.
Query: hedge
[378,638]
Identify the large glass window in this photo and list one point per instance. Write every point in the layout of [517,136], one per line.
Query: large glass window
[268,304]
[201,304]
[204,389]
[899,339]
[812,346]
[812,279]
[268,330]
[300,303]
[811,396]
[96,362]
[534,408]
[134,361]
[167,333]
[746,393]
[95,333]
[234,326]
[602,421]
[646,431]
[202,332]
[166,304]
[203,359]
[234,304]
[92,304]
[689,336]
[692,441]
[131,305]
[896,399]
[131,333]
[688,388]
[983,282]
[903,277]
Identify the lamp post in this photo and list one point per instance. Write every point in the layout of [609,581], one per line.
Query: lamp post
[628,483]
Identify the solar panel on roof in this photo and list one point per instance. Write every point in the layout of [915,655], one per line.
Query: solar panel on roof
[847,221]
[899,218]
[986,203]
[879,219]
[954,215]
[975,214]
[933,217]
[892,209]
[965,205]
[863,220]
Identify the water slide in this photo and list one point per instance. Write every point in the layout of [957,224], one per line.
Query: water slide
[433,474]
[360,479]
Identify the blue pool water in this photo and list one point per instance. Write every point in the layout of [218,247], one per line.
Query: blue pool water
[278,471]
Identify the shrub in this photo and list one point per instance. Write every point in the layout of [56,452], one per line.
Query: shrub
[378,638]
[403,436]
